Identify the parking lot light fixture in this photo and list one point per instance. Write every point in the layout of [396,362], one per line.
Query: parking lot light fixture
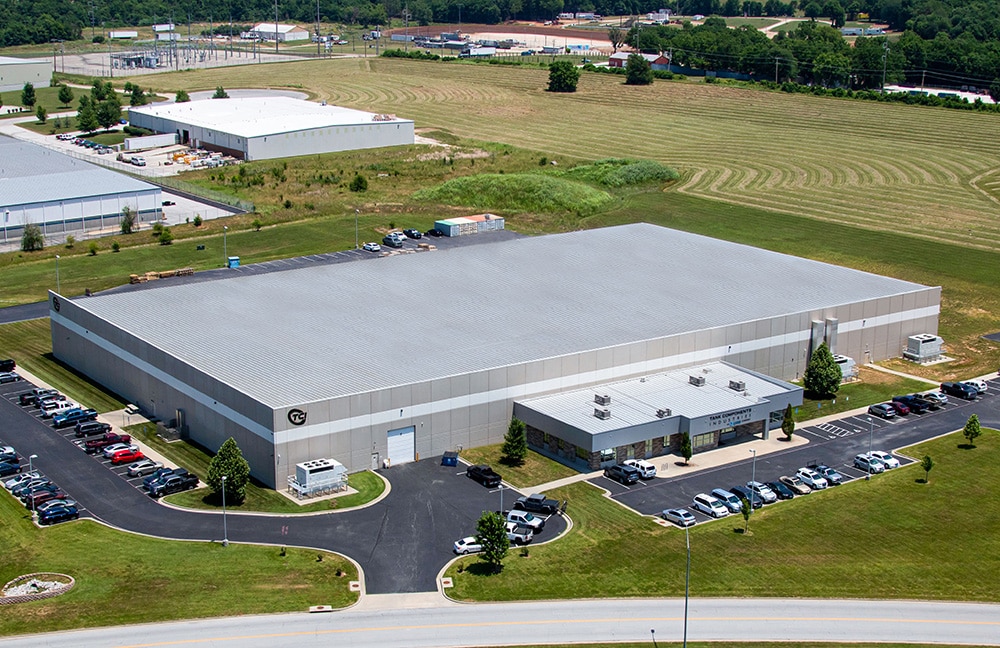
[225,246]
[225,529]
[687,579]
[58,288]
[30,459]
[753,475]
[357,212]
[871,433]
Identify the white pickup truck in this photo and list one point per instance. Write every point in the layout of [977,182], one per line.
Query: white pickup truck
[525,519]
[519,535]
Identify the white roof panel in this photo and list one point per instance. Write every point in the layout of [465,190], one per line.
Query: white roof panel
[315,333]
[260,116]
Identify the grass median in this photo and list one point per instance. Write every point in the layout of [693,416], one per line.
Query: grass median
[535,470]
[123,578]
[894,537]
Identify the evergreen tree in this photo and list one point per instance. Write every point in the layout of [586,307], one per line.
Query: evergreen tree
[788,422]
[86,117]
[182,97]
[65,95]
[686,450]
[220,93]
[28,96]
[128,220]
[42,114]
[32,239]
[491,532]
[638,71]
[229,461]
[515,444]
[823,374]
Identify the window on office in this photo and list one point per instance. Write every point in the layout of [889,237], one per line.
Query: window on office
[702,440]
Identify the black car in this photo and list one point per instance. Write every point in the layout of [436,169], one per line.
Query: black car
[960,390]
[916,405]
[435,232]
[412,233]
[783,492]
[484,475]
[91,428]
[32,397]
[7,365]
[748,495]
[8,468]
[621,473]
[160,475]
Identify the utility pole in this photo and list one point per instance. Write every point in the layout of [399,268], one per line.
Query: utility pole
[318,52]
[923,76]
[406,26]
[775,69]
[885,59]
[275,26]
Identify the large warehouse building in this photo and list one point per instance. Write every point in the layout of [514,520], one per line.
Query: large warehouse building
[263,128]
[350,362]
[63,195]
[15,72]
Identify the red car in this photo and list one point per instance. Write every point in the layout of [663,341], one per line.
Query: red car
[43,496]
[126,456]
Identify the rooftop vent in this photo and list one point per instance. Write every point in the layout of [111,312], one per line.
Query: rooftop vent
[663,413]
[602,399]
[603,414]
[697,381]
[737,385]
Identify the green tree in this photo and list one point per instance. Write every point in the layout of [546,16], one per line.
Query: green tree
[65,95]
[835,12]
[42,114]
[86,116]
[99,90]
[788,422]
[220,93]
[109,112]
[563,77]
[229,461]
[166,236]
[515,443]
[137,97]
[927,463]
[832,69]
[32,239]
[823,374]
[359,183]
[686,450]
[182,97]
[638,71]
[128,220]
[28,95]
[972,430]
[617,38]
[491,532]
[994,90]
[746,508]
[813,10]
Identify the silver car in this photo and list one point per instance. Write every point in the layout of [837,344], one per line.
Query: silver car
[680,517]
[730,500]
[868,464]
[763,491]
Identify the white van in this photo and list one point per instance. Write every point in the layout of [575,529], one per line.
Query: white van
[57,407]
[646,469]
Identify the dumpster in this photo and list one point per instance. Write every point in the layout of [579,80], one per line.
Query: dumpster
[233,262]
[449,459]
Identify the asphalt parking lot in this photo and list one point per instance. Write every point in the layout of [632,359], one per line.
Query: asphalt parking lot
[401,542]
[834,444]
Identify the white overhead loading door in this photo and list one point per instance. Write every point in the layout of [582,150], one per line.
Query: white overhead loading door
[402,444]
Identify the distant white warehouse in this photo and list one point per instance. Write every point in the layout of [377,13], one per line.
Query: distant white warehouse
[61,194]
[264,128]
[283,33]
[15,72]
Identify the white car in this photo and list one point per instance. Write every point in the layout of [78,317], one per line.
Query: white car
[680,517]
[467,546]
[980,385]
[115,447]
[23,478]
[710,505]
[885,458]
[372,247]
[812,479]
[143,467]
[646,469]
[763,491]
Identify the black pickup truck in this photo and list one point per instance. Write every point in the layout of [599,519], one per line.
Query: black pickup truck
[536,503]
[484,475]
[173,484]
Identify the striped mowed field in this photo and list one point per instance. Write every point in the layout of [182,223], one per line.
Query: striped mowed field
[927,172]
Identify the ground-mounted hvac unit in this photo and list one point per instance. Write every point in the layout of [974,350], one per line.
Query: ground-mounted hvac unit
[318,477]
[923,347]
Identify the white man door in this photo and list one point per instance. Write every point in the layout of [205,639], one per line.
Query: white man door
[402,445]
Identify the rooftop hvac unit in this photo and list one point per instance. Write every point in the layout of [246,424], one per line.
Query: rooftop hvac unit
[697,381]
[602,399]
[737,385]
[663,413]
[603,414]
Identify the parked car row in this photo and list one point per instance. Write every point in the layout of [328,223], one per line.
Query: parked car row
[35,491]
[722,502]
[98,148]
[522,522]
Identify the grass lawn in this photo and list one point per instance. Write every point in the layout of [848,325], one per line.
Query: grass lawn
[875,386]
[938,541]
[123,578]
[48,98]
[259,498]
[30,344]
[536,469]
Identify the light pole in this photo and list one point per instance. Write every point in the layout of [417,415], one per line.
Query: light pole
[687,580]
[225,529]
[356,213]
[225,245]
[871,433]
[30,459]
[32,496]
[58,289]
[501,498]
[753,475]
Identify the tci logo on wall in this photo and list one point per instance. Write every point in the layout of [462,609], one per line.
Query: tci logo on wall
[296,417]
[55,303]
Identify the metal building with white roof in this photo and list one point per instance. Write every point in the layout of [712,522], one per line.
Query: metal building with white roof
[61,194]
[15,72]
[263,128]
[308,363]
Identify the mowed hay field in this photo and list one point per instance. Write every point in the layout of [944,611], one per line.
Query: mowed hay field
[927,172]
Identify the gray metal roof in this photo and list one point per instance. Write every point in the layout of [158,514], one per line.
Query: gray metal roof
[635,401]
[33,174]
[309,334]
[13,60]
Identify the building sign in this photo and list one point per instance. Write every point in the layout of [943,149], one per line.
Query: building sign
[296,417]
[731,418]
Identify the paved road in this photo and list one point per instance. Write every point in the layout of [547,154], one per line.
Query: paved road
[833,444]
[401,543]
[598,621]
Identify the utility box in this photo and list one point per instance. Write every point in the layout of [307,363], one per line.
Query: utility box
[923,347]
[233,262]
[848,368]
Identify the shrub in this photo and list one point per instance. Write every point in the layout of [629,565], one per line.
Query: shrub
[197,220]
[92,248]
[32,239]
[220,93]
[166,236]
[256,224]
[617,172]
[157,229]
[115,246]
[530,192]
[70,241]
[359,183]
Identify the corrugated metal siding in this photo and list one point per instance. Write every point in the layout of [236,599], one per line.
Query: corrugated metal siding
[305,335]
